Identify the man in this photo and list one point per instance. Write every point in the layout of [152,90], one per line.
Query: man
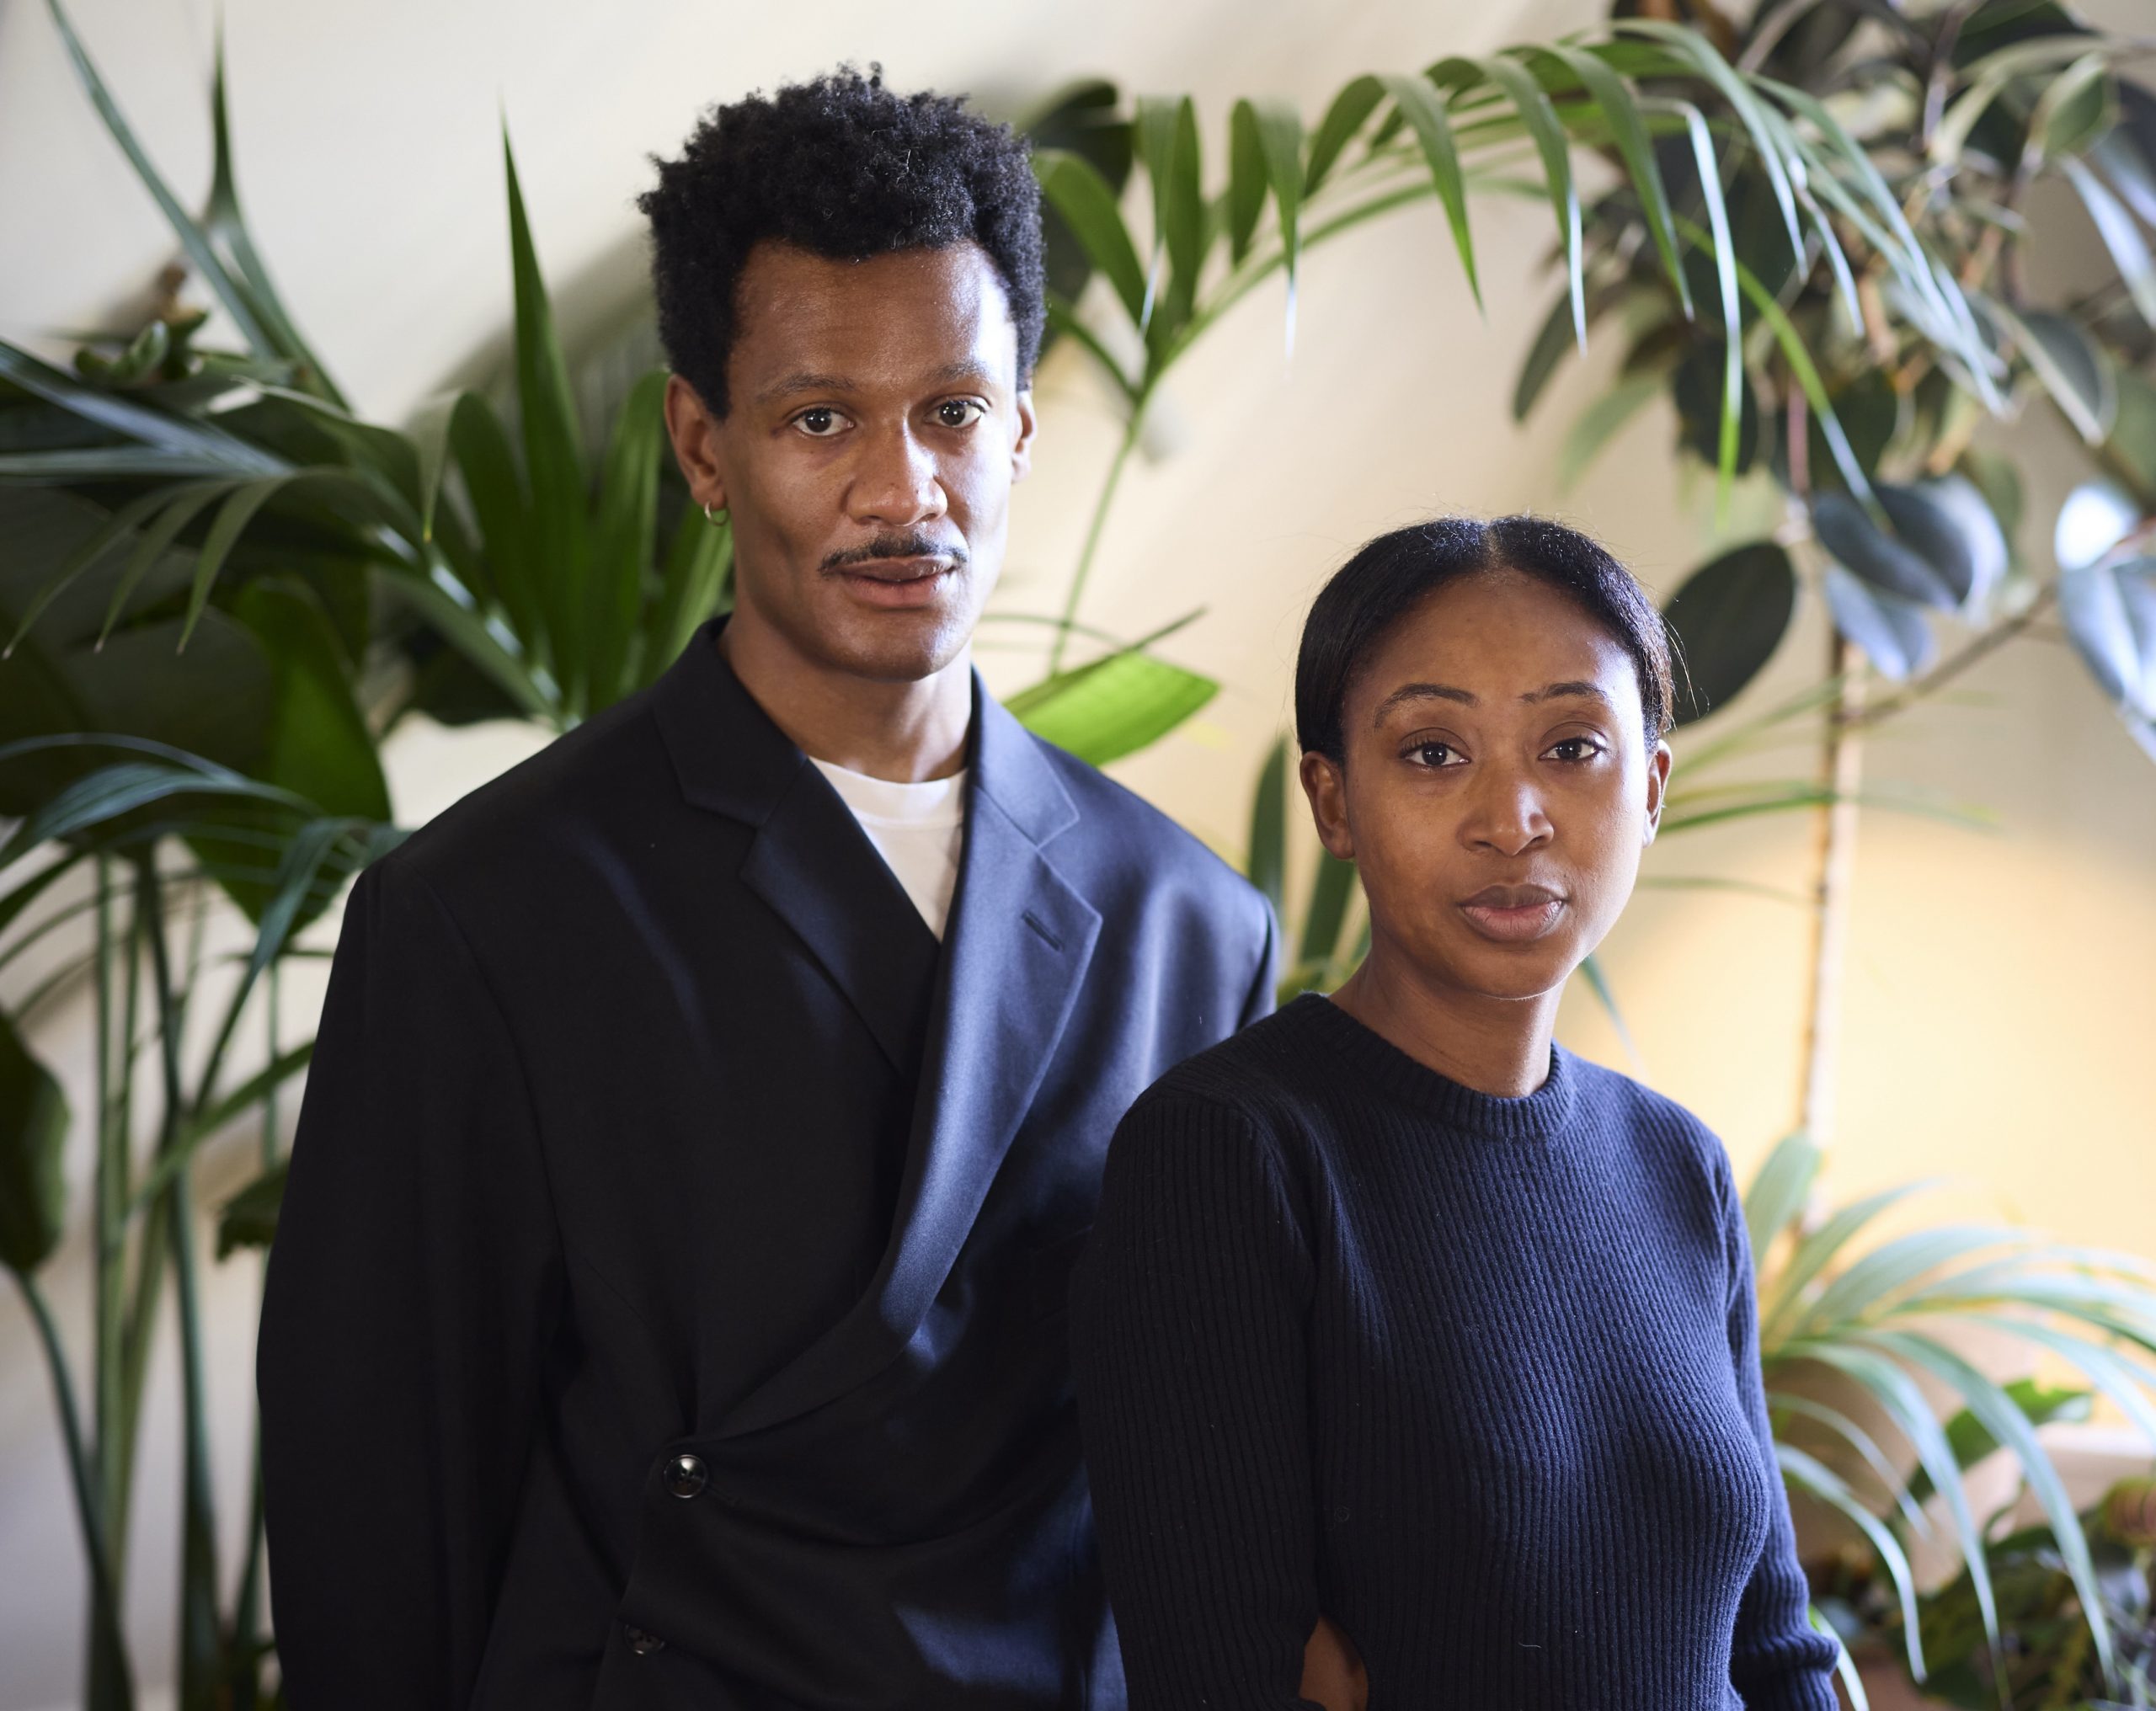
[668,1306]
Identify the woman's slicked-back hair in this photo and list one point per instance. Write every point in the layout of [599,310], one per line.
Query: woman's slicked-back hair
[1396,573]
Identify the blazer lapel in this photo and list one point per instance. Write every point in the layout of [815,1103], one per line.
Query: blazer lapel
[810,862]
[1019,942]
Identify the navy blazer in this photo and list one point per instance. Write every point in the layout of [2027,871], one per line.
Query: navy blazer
[667,1310]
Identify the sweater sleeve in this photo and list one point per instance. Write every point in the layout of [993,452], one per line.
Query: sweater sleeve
[1778,1660]
[1187,1342]
[415,1278]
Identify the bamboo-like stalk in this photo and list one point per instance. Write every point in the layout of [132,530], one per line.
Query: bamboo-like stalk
[243,1650]
[109,1677]
[199,1637]
[1093,528]
[1834,868]
[106,1668]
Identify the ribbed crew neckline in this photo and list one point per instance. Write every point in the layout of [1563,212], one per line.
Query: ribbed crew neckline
[1539,1115]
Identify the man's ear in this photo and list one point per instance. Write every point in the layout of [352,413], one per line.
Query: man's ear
[1325,782]
[1021,448]
[1658,765]
[694,431]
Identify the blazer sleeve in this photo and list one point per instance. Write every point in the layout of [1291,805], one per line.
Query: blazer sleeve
[1187,1344]
[411,1291]
[1778,1660]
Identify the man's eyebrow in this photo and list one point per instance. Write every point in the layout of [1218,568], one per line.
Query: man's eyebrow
[805,382]
[965,369]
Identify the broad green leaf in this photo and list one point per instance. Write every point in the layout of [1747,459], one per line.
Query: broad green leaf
[1551,142]
[1114,706]
[234,513]
[2094,603]
[1088,207]
[1597,980]
[1891,631]
[1888,1384]
[1808,1473]
[2074,108]
[1888,562]
[182,506]
[2067,363]
[1333,889]
[1613,101]
[621,561]
[1724,622]
[1599,423]
[1350,111]
[2006,1422]
[193,239]
[1266,865]
[1248,179]
[553,456]
[33,1138]
[249,1218]
[1423,108]
[178,436]
[501,505]
[2122,236]
[1083,118]
[223,222]
[1779,1189]
[1543,356]
[320,747]
[1280,140]
[692,587]
[1166,132]
[1725,257]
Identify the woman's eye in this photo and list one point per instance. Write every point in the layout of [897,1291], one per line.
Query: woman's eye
[1577,749]
[960,413]
[821,423]
[1433,755]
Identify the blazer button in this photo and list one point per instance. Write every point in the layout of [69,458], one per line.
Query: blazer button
[686,1475]
[644,1645]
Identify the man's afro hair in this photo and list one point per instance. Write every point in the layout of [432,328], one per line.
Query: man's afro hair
[842,168]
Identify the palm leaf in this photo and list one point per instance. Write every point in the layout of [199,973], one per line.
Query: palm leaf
[1419,103]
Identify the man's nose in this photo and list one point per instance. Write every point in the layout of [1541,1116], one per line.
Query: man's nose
[895,484]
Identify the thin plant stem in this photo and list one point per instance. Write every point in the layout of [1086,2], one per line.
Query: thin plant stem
[1996,637]
[198,1638]
[1841,772]
[105,1672]
[244,1668]
[1130,433]
[114,1691]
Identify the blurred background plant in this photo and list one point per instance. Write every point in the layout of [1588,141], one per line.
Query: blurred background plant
[226,588]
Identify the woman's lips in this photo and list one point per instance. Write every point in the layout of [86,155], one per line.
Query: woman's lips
[1513,913]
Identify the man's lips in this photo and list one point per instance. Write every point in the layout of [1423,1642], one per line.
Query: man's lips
[900,584]
[1513,913]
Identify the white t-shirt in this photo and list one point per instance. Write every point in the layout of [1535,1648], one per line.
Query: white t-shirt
[918,829]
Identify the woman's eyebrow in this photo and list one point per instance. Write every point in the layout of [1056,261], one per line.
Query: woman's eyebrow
[1575,688]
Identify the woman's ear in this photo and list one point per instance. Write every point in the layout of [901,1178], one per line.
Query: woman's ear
[1325,782]
[1658,765]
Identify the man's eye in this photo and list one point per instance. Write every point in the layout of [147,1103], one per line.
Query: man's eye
[960,413]
[1433,755]
[821,423]
[1577,749]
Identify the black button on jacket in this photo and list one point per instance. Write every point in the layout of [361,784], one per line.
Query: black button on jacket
[667,1307]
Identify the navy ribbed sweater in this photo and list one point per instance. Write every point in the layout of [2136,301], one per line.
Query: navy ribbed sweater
[1477,1377]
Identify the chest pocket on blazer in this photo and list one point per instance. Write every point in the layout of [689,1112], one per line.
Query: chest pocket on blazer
[1048,1275]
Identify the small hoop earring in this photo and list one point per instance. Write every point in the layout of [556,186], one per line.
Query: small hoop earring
[714,515]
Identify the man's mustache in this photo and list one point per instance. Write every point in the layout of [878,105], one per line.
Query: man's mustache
[907,544]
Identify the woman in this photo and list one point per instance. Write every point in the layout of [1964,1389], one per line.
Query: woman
[1396,1311]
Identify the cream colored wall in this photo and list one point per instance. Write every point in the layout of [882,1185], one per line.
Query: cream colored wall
[1998,999]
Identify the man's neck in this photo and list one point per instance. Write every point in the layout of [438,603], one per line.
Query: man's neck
[1497,1046]
[905,731]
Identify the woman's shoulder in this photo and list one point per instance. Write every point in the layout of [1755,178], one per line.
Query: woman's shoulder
[1655,1126]
[1255,1079]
